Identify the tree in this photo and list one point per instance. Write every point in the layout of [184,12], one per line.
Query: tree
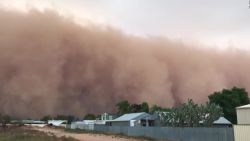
[135,108]
[46,118]
[123,107]
[69,118]
[89,117]
[156,108]
[229,99]
[5,119]
[144,107]
[209,113]
[192,115]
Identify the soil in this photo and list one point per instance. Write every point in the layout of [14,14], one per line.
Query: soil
[84,136]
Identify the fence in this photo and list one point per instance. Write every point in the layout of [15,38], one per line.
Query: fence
[175,134]
[242,132]
[82,126]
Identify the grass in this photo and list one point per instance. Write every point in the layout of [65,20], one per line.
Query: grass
[80,131]
[22,134]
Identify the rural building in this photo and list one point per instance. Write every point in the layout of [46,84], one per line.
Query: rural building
[222,122]
[243,114]
[36,123]
[86,124]
[57,123]
[135,119]
[106,116]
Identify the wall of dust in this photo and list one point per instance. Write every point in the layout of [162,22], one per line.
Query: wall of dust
[51,65]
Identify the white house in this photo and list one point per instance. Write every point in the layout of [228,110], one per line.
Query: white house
[135,119]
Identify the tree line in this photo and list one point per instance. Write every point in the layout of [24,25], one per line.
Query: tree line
[222,103]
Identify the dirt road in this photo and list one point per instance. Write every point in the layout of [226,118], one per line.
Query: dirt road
[84,136]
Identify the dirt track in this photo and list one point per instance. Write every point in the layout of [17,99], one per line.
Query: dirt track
[84,136]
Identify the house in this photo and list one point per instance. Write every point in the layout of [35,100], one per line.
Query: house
[243,114]
[57,123]
[135,119]
[106,116]
[222,122]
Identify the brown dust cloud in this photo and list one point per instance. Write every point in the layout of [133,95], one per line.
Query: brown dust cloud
[50,65]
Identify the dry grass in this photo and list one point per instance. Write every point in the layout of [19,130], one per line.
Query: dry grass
[23,134]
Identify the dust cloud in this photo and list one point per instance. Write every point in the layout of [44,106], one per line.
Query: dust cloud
[51,65]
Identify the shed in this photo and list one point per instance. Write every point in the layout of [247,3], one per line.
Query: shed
[58,123]
[135,119]
[222,122]
[36,123]
[243,114]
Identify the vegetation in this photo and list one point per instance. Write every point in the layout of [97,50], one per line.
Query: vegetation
[46,118]
[156,108]
[21,134]
[4,119]
[192,115]
[229,99]
[89,117]
[187,114]
[125,107]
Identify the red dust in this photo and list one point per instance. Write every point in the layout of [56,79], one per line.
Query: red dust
[51,65]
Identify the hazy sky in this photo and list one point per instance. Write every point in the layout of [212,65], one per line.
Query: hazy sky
[212,22]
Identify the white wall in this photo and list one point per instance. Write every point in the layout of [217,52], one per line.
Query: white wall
[243,116]
[241,132]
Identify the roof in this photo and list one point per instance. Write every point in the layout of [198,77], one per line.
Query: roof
[132,116]
[244,107]
[33,122]
[56,122]
[222,120]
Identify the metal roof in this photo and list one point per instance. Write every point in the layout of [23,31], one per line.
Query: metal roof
[244,107]
[56,122]
[131,116]
[33,121]
[222,120]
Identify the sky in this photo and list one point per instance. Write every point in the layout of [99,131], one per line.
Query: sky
[217,23]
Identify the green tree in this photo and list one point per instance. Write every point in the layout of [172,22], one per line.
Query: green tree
[123,107]
[156,108]
[46,118]
[190,114]
[144,107]
[89,117]
[135,108]
[209,113]
[5,119]
[228,100]
[69,118]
